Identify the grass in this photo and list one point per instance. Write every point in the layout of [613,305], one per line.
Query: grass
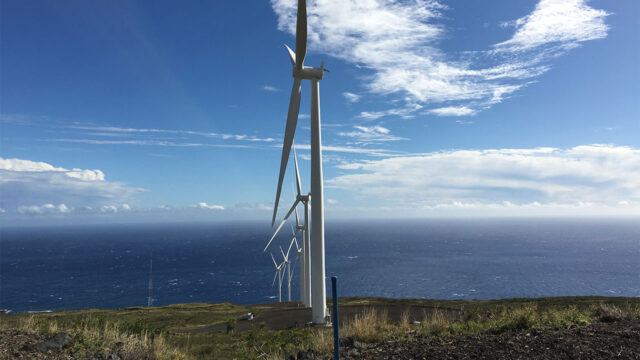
[151,333]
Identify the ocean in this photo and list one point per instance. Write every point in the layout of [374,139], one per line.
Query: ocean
[107,266]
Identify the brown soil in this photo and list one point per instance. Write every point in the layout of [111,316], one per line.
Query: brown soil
[287,315]
[618,340]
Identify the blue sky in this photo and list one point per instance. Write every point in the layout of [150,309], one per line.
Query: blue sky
[157,111]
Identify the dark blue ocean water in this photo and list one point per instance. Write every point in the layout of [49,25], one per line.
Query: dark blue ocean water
[108,266]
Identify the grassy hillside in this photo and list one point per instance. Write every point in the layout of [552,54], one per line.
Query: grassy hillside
[205,331]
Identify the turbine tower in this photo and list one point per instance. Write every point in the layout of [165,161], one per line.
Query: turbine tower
[279,275]
[314,75]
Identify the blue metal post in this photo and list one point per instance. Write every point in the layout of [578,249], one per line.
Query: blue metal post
[336,325]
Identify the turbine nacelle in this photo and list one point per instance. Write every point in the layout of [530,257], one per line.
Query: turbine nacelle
[309,73]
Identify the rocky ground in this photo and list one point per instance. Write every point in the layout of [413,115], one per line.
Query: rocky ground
[616,340]
[17,344]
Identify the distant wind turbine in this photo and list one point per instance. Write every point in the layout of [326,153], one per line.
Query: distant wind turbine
[305,272]
[279,275]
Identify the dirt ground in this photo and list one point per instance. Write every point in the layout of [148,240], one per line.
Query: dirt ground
[289,315]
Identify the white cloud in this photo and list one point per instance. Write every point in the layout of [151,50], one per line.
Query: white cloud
[43,209]
[370,134]
[270,88]
[351,97]
[24,183]
[149,133]
[26,165]
[557,22]
[397,42]
[348,150]
[150,143]
[452,111]
[204,205]
[590,175]
[405,112]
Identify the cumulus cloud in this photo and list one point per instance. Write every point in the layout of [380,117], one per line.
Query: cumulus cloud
[397,43]
[205,206]
[31,187]
[582,176]
[370,134]
[43,209]
[270,88]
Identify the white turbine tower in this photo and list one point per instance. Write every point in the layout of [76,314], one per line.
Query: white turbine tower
[278,274]
[301,72]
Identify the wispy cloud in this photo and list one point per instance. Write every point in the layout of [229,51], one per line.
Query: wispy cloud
[452,111]
[270,88]
[600,175]
[350,150]
[351,97]
[405,112]
[397,42]
[370,134]
[563,23]
[121,130]
[157,143]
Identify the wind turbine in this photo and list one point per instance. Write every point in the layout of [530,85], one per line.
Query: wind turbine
[278,274]
[287,265]
[305,282]
[301,72]
[305,285]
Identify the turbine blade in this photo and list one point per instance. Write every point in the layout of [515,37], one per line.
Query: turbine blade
[281,224]
[292,55]
[274,261]
[283,255]
[301,34]
[297,221]
[274,279]
[290,130]
[290,245]
[295,160]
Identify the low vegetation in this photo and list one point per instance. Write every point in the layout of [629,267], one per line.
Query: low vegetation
[155,333]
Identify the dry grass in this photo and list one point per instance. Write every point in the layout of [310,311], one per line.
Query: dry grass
[147,334]
[321,340]
[404,321]
[369,326]
[95,337]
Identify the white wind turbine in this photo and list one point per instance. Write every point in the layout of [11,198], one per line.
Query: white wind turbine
[301,72]
[301,255]
[287,265]
[305,264]
[279,275]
